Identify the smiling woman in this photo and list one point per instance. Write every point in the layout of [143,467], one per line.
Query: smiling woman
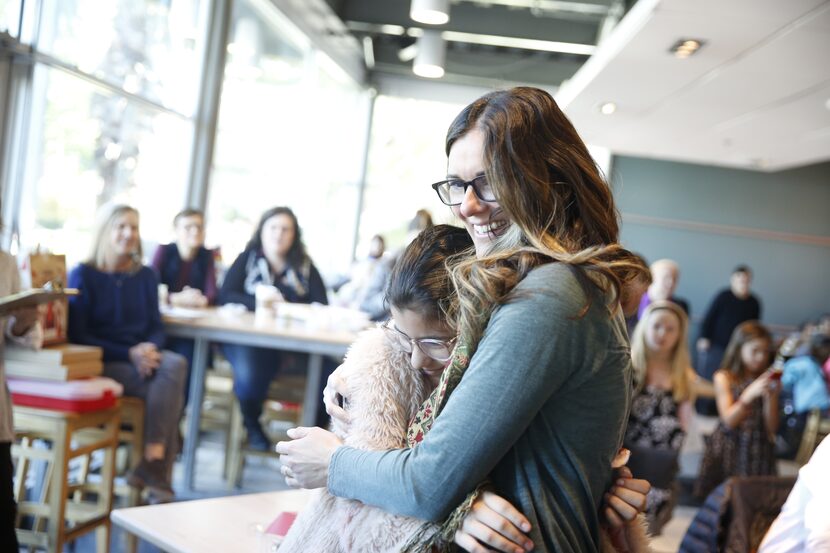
[543,358]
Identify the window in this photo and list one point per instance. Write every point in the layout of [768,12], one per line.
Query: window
[94,147]
[110,116]
[291,132]
[406,155]
[9,16]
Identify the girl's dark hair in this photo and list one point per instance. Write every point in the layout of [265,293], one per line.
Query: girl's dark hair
[420,279]
[296,254]
[745,332]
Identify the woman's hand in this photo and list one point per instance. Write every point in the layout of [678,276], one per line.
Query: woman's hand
[335,390]
[146,357]
[24,319]
[188,297]
[493,524]
[305,459]
[627,497]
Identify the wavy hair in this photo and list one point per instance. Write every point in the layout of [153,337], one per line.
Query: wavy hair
[102,235]
[296,255]
[682,389]
[560,206]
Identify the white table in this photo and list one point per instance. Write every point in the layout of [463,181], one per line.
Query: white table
[217,525]
[249,329]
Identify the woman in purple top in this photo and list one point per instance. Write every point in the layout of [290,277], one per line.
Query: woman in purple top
[117,310]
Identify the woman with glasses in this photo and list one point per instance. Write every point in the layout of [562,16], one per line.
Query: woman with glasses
[375,391]
[537,393]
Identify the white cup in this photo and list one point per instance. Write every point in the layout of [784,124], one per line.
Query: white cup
[163,294]
[267,297]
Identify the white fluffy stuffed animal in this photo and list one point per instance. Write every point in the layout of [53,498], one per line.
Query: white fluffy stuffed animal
[384,393]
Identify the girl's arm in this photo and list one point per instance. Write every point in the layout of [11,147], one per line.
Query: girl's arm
[733,411]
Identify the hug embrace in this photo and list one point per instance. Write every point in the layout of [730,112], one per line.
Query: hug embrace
[519,338]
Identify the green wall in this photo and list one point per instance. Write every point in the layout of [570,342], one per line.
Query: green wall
[710,219]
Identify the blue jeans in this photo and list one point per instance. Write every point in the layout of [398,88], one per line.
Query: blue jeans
[253,370]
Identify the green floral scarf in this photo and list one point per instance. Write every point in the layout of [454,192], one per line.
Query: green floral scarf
[428,539]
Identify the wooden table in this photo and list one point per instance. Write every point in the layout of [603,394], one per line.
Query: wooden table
[209,525]
[249,329]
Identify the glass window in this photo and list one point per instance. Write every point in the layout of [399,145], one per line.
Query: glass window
[152,48]
[291,131]
[406,155]
[89,147]
[9,16]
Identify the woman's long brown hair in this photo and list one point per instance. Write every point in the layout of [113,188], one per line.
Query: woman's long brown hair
[560,206]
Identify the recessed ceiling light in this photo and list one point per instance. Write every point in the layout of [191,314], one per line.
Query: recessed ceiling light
[607,108]
[685,47]
[827,103]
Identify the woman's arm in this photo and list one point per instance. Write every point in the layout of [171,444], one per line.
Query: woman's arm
[233,288]
[155,328]
[80,309]
[316,287]
[532,346]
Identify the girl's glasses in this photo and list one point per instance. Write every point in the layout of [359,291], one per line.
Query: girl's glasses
[440,350]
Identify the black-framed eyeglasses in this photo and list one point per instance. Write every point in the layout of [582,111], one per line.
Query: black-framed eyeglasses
[452,191]
[434,348]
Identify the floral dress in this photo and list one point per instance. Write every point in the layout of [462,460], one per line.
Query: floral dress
[743,451]
[654,423]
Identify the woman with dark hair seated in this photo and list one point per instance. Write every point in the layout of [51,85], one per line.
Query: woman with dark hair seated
[275,256]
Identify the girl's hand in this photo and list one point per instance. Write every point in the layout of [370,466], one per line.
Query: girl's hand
[305,459]
[493,524]
[627,497]
[756,388]
[334,391]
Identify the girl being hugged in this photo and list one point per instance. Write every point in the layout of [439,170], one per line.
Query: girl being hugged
[746,393]
[662,407]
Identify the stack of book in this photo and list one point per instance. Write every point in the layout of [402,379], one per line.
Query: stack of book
[62,362]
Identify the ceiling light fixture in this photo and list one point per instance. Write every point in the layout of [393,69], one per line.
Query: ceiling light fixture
[607,108]
[431,12]
[432,51]
[685,47]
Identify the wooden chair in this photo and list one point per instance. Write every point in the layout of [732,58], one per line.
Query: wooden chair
[64,520]
[814,431]
[131,448]
[284,403]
